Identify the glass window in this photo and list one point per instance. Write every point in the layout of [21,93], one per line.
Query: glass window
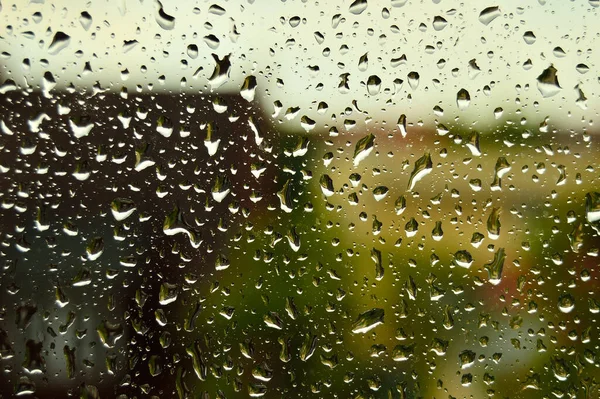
[297,199]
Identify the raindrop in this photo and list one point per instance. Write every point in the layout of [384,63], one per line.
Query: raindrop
[363,148]
[380,192]
[547,82]
[463,99]
[192,51]
[566,303]
[373,85]
[529,37]
[221,71]
[358,6]
[163,19]
[368,320]
[423,167]
[439,23]
[487,15]
[363,62]
[60,41]
[494,268]
[85,19]
[413,80]
[248,88]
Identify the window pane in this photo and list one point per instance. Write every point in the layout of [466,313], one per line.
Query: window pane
[387,199]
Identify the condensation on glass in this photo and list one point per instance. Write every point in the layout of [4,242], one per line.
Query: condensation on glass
[357,199]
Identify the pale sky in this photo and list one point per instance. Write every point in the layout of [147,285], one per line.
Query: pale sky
[271,44]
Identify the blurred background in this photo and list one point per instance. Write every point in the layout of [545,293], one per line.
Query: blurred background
[295,199]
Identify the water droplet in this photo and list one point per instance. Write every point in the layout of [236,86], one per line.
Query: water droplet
[529,37]
[380,192]
[60,41]
[326,185]
[363,148]
[85,19]
[463,99]
[423,167]
[285,197]
[221,71]
[373,85]
[437,233]
[566,303]
[379,270]
[576,237]
[358,6]
[413,80]
[400,205]
[402,353]
[192,51]
[463,258]
[122,208]
[368,320]
[212,41]
[363,62]
[582,68]
[248,88]
[163,19]
[559,52]
[495,267]
[109,333]
[592,206]
[411,227]
[489,14]
[493,224]
[439,23]
[95,248]
[473,144]
[402,125]
[308,347]
[466,359]
[548,82]
[560,369]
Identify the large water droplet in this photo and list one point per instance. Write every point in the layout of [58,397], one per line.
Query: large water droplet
[368,320]
[489,14]
[548,82]
[60,41]
[358,6]
[163,19]
[463,99]
[422,168]
[363,148]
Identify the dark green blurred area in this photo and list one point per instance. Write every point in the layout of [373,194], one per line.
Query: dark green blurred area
[446,331]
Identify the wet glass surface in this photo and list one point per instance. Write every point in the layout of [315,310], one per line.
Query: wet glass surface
[363,199]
